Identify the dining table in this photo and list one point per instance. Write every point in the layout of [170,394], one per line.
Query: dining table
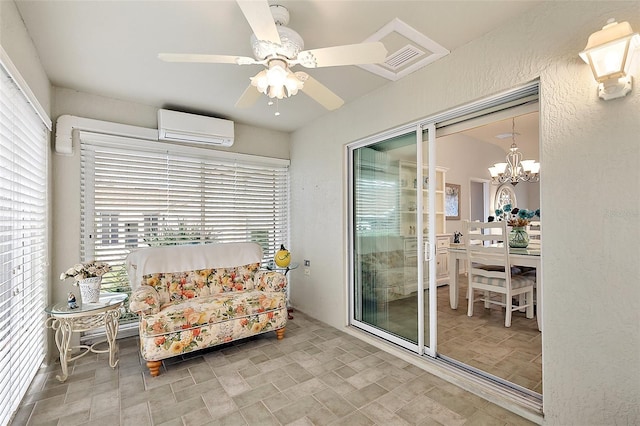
[527,257]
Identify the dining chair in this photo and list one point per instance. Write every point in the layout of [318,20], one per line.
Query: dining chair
[535,235]
[490,271]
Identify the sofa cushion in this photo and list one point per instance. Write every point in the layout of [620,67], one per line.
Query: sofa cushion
[155,348]
[175,286]
[144,300]
[153,260]
[194,313]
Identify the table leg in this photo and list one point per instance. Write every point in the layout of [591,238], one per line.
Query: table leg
[289,308]
[453,283]
[63,330]
[111,327]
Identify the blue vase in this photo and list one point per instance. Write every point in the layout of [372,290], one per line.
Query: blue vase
[518,237]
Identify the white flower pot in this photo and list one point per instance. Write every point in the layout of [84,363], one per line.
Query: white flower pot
[90,289]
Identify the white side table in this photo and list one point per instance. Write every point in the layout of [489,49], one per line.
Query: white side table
[87,316]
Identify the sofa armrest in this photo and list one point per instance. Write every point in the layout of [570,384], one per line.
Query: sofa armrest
[270,281]
[145,300]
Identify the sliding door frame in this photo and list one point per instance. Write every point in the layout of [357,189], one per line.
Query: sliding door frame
[527,93]
[425,249]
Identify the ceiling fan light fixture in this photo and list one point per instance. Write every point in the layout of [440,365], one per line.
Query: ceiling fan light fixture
[259,81]
[291,44]
[279,48]
[277,73]
[278,81]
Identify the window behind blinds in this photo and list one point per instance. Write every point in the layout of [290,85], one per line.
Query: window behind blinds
[375,193]
[23,242]
[138,196]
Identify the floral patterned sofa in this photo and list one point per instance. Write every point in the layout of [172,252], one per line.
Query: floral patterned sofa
[193,297]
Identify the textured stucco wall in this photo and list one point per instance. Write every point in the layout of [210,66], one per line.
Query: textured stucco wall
[591,195]
[590,198]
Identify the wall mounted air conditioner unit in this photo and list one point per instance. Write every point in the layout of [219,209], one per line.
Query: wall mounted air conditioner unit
[190,128]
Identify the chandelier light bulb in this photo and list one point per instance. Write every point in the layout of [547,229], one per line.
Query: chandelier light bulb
[535,169]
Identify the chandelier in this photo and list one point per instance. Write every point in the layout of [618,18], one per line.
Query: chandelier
[516,169]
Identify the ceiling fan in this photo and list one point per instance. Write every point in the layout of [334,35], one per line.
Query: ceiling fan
[278,48]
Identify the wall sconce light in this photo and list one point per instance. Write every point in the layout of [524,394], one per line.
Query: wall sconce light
[609,53]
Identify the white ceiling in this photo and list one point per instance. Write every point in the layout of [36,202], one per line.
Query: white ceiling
[526,134]
[110,48]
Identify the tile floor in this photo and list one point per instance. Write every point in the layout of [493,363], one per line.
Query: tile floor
[317,375]
[481,341]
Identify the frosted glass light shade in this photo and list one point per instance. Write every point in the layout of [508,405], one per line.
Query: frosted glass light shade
[608,50]
[609,53]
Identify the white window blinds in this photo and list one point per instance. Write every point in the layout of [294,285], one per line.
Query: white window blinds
[23,243]
[138,194]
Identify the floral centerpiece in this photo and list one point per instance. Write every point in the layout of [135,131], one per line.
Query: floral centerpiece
[516,217]
[85,270]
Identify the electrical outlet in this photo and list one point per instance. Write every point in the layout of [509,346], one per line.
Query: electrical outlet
[307,263]
[307,271]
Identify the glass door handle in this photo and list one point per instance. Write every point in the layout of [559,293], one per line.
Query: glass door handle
[427,251]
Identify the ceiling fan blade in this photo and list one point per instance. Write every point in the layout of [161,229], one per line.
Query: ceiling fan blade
[260,20]
[216,59]
[349,54]
[319,92]
[249,97]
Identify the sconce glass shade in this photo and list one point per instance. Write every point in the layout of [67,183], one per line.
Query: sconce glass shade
[609,53]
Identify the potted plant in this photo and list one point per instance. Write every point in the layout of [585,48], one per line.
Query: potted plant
[518,219]
[88,276]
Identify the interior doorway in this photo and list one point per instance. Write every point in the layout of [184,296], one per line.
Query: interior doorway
[479,198]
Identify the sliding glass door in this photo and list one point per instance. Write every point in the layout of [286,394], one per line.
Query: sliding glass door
[390,234]
[403,212]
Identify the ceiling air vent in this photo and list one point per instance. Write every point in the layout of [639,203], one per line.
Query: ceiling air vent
[398,59]
[418,51]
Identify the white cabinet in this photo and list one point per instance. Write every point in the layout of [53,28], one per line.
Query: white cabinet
[442,259]
[410,190]
[410,283]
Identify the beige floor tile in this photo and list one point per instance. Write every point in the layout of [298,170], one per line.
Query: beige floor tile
[316,376]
